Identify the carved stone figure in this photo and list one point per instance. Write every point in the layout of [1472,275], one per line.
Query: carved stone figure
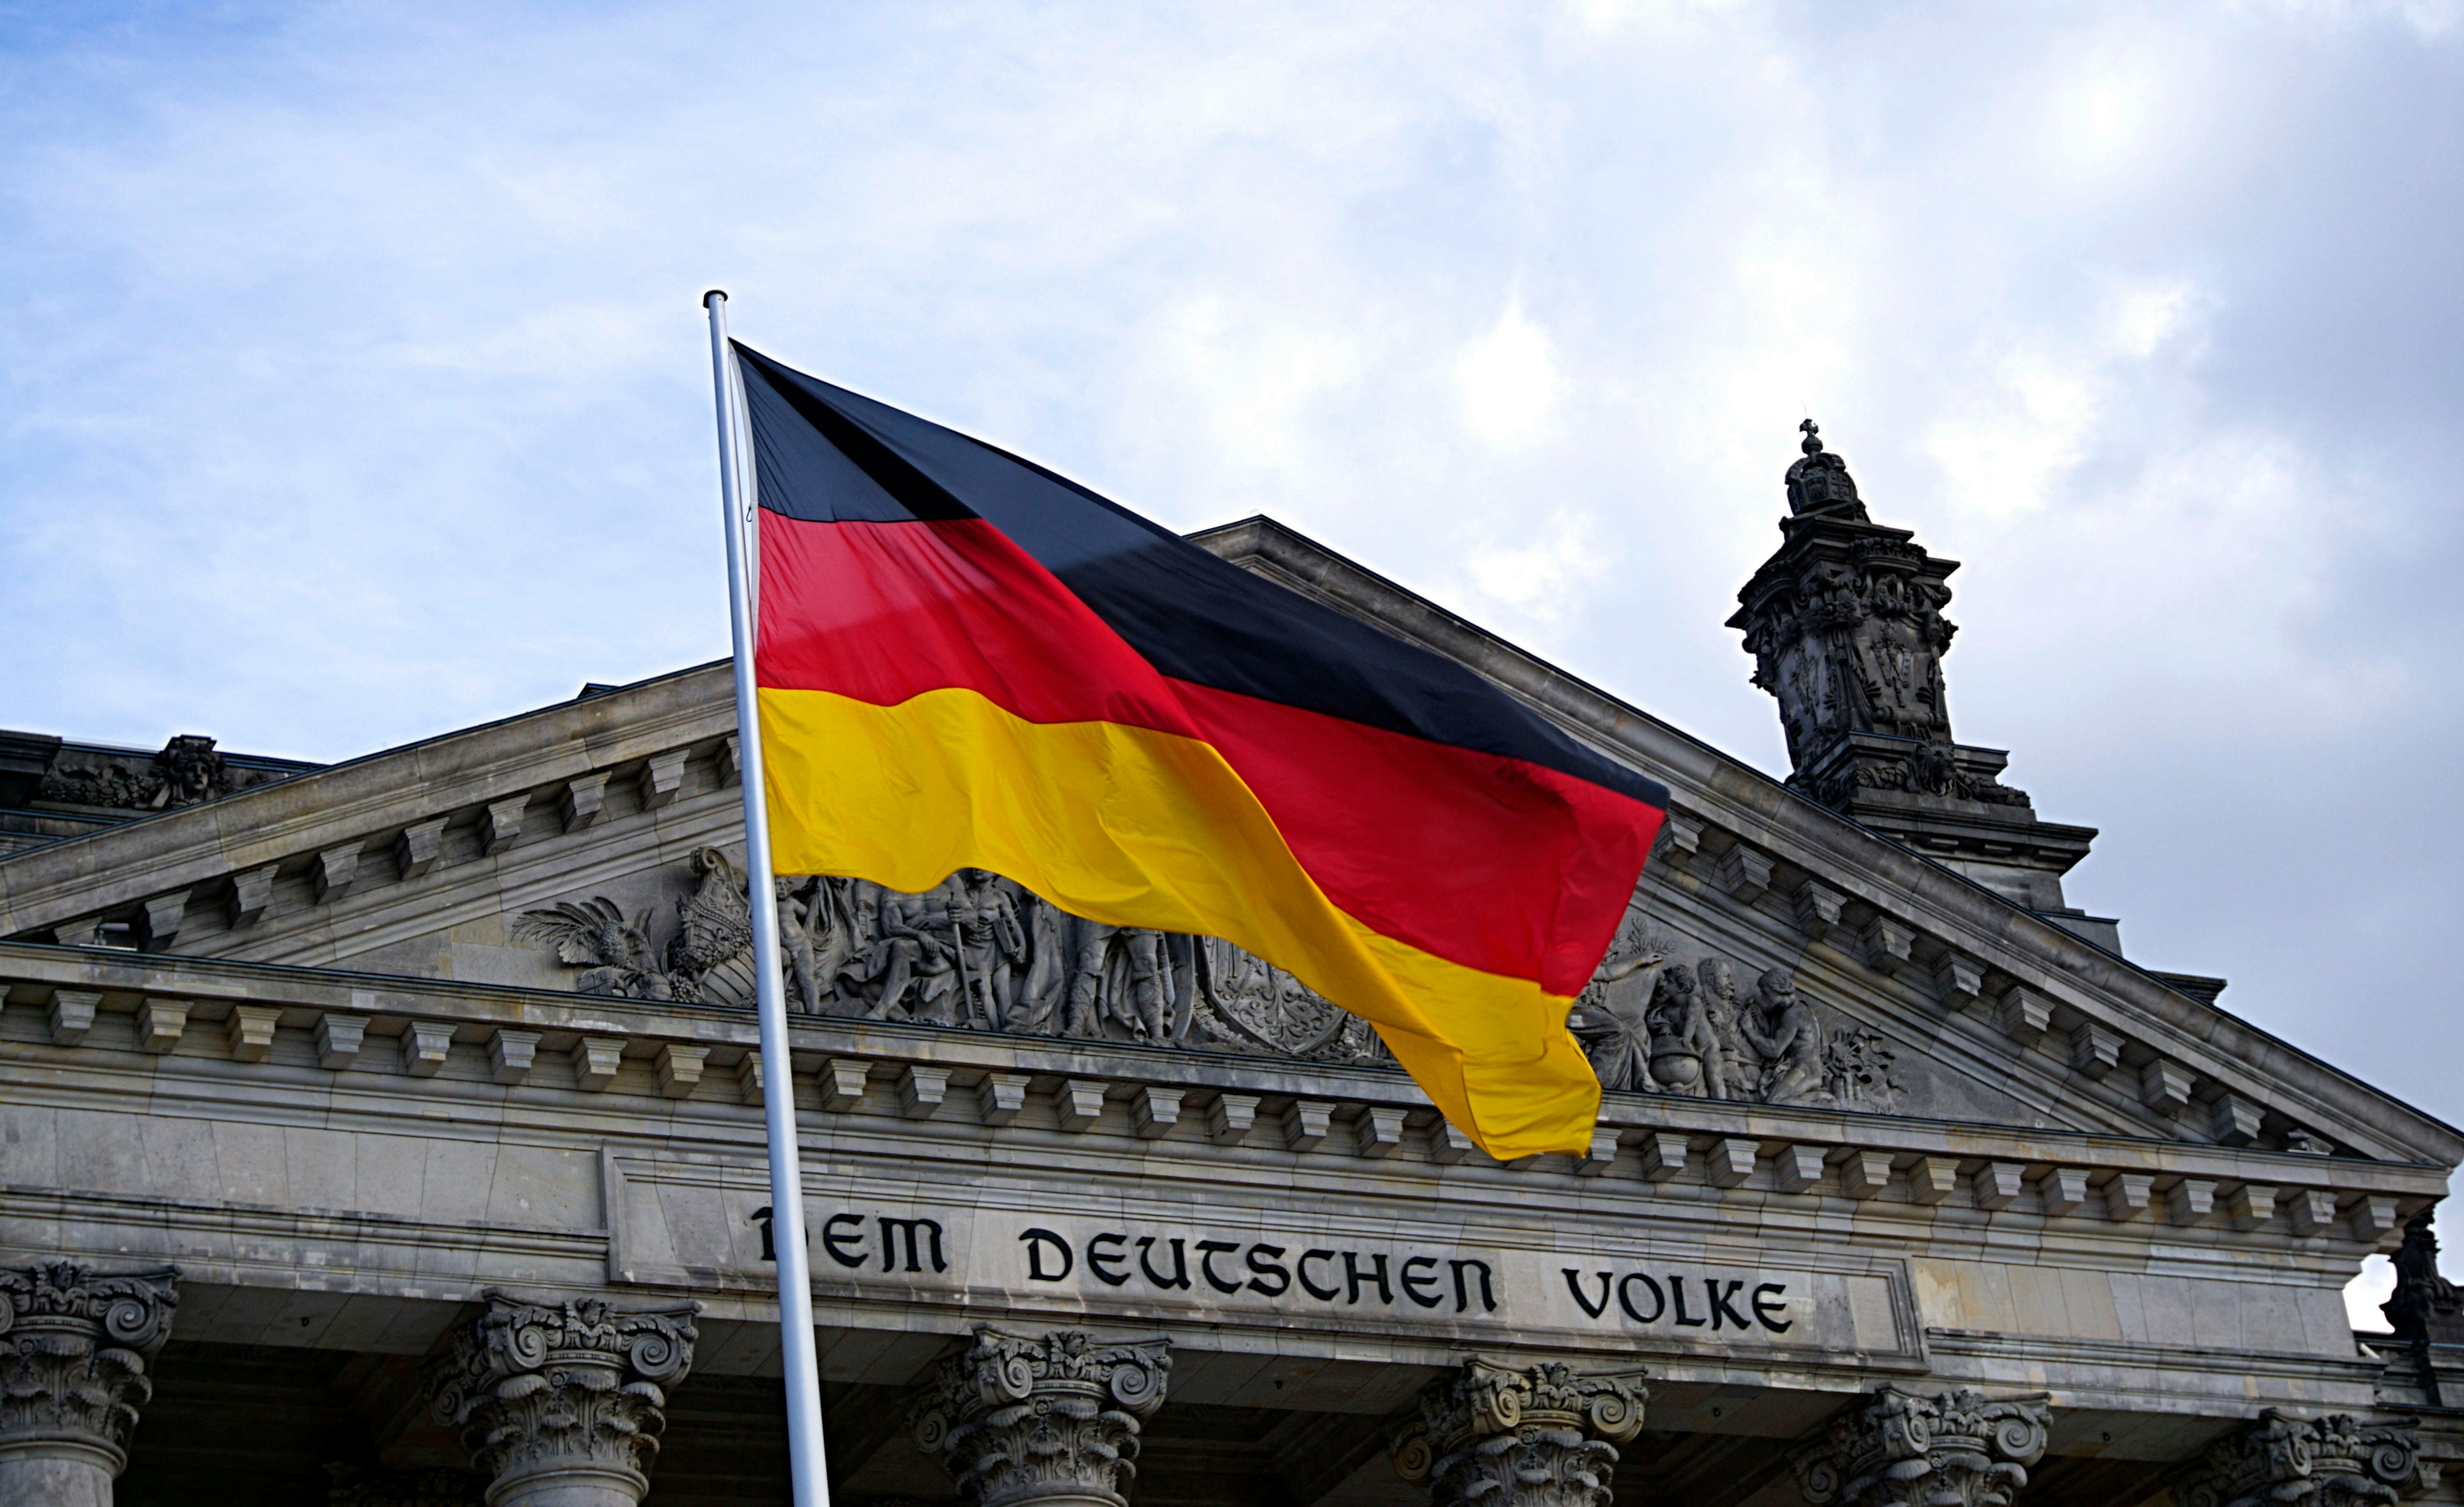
[714,924]
[2426,1308]
[1904,1449]
[1784,1031]
[594,935]
[1544,1436]
[73,1348]
[2284,1459]
[1044,1418]
[563,1404]
[980,952]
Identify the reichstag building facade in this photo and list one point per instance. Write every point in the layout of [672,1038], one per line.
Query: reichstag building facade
[390,1133]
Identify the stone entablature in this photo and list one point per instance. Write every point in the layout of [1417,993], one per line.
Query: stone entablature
[279,1021]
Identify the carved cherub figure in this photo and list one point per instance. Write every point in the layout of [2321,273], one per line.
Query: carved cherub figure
[1727,1074]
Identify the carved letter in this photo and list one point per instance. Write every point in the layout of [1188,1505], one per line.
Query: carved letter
[891,1228]
[1411,1281]
[1720,1304]
[1207,1251]
[1574,1285]
[1352,1278]
[1324,1295]
[1097,1257]
[1625,1299]
[1762,1307]
[1268,1268]
[1179,1278]
[1036,1240]
[1463,1300]
[831,1235]
[1676,1285]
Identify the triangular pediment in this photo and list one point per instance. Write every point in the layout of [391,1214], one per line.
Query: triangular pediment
[595,845]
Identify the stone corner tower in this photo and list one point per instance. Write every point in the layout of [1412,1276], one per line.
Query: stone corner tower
[1846,627]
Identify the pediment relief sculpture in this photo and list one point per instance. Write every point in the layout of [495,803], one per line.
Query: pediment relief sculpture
[1655,1023]
[980,952]
[976,951]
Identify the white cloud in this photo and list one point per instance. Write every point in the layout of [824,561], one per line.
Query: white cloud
[1508,379]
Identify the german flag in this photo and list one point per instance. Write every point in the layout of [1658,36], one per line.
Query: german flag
[967,661]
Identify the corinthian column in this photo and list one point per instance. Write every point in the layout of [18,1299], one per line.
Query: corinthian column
[1903,1449]
[1049,1419]
[562,1407]
[73,1351]
[1542,1438]
[2285,1459]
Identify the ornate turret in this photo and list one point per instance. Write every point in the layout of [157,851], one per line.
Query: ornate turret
[1846,627]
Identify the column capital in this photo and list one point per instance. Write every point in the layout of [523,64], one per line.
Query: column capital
[1049,1418]
[564,1399]
[1903,1449]
[74,1343]
[2283,1457]
[1540,1436]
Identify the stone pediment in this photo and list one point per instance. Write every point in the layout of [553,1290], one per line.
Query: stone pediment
[1778,956]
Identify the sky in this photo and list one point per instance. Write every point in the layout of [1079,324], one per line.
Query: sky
[354,385]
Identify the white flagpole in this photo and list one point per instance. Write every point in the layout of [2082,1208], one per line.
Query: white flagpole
[803,1379]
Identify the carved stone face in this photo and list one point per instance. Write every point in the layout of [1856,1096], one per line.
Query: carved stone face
[1778,991]
[1719,978]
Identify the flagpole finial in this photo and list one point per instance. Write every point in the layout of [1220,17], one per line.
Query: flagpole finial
[719,294]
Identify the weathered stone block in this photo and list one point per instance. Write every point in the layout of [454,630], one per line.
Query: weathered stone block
[1154,1110]
[2251,1206]
[1797,1168]
[1887,944]
[680,1069]
[1449,1144]
[2128,1195]
[500,823]
[1306,1123]
[1817,907]
[161,1023]
[731,762]
[2310,1211]
[584,801]
[2373,1219]
[1598,1157]
[2192,1201]
[662,778]
[2023,1015]
[1745,874]
[163,915]
[1730,1161]
[2064,1191]
[250,893]
[510,1053]
[73,1015]
[2095,1051]
[425,1044]
[249,1034]
[1230,1117]
[1865,1174]
[921,1088]
[1000,1097]
[331,873]
[1079,1103]
[748,1079]
[1959,980]
[2166,1087]
[415,850]
[1379,1130]
[339,1038]
[1679,842]
[1663,1155]
[595,1061]
[843,1082]
[2234,1121]
[1997,1185]
[1932,1179]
